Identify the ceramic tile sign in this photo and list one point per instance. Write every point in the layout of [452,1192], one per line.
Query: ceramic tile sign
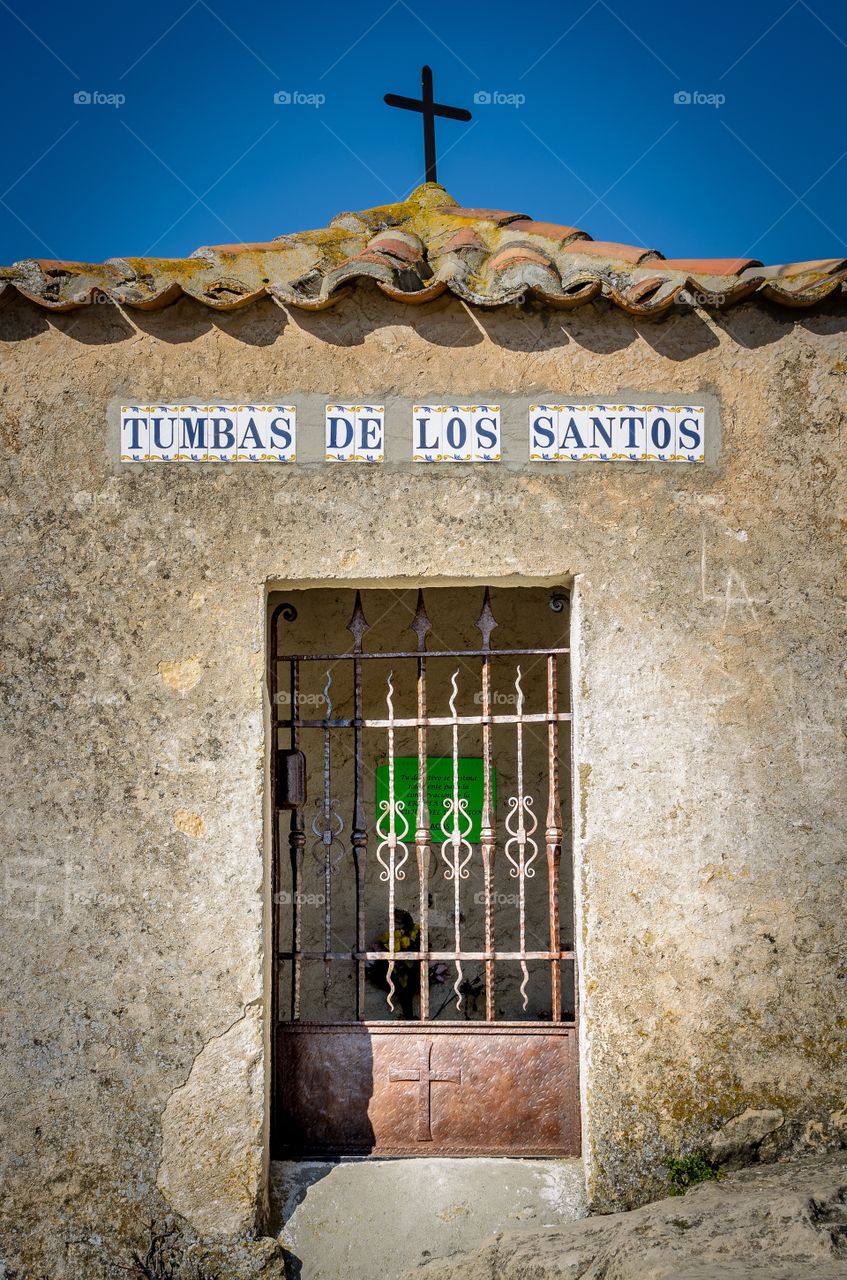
[208,433]
[355,433]
[616,433]
[456,433]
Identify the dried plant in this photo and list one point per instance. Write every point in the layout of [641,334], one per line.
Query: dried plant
[166,1258]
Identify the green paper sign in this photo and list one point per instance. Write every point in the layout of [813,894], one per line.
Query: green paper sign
[439,783]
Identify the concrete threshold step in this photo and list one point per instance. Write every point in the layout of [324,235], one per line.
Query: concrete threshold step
[358,1219]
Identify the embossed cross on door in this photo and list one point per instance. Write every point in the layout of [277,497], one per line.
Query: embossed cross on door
[426,1078]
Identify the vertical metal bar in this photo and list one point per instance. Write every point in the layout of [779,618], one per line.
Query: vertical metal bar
[455,826]
[522,868]
[553,835]
[488,837]
[296,844]
[392,850]
[521,824]
[428,124]
[422,845]
[359,836]
[357,626]
[488,833]
[327,825]
[327,832]
[421,626]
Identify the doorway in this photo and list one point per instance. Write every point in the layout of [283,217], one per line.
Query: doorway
[425,974]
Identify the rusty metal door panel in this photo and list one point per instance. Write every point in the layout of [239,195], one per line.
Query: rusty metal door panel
[412,1089]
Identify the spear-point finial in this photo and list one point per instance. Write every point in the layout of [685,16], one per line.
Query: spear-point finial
[421,624]
[358,624]
[486,622]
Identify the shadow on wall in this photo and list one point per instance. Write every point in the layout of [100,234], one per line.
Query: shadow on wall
[338,1115]
[446,322]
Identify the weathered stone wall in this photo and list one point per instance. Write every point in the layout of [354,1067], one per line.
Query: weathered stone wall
[709,868]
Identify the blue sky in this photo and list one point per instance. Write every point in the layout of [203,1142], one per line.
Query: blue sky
[199,152]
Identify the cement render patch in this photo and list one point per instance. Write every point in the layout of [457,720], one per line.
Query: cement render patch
[356,1219]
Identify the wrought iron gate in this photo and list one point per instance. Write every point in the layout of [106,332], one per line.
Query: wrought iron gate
[411,1084]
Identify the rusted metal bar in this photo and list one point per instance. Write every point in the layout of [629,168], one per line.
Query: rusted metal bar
[392,851]
[353,954]
[357,626]
[553,834]
[521,824]
[296,844]
[415,722]
[488,831]
[412,1030]
[455,826]
[421,626]
[327,825]
[432,653]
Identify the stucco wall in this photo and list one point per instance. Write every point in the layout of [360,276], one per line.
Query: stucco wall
[709,864]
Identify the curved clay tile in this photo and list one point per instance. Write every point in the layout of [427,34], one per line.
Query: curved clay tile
[413,251]
[711,266]
[517,253]
[549,230]
[613,252]
[499,216]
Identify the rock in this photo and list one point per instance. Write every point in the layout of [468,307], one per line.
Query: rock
[183,675]
[190,824]
[816,1137]
[209,1172]
[741,1135]
[838,1120]
[771,1222]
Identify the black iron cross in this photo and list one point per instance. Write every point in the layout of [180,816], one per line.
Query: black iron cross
[429,110]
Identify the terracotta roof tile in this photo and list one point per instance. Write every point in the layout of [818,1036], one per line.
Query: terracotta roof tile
[467,238]
[614,252]
[417,250]
[514,254]
[550,230]
[711,266]
[405,247]
[484,215]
